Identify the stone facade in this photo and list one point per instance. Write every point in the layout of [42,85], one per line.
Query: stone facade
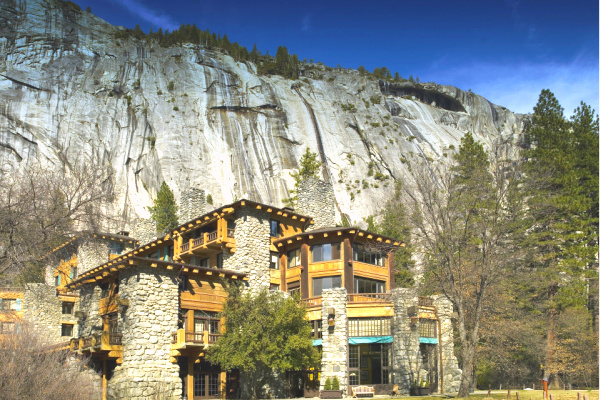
[406,357]
[252,255]
[317,199]
[43,310]
[143,230]
[90,254]
[147,324]
[335,338]
[451,372]
[89,301]
[191,204]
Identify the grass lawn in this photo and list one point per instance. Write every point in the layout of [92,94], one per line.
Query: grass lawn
[523,395]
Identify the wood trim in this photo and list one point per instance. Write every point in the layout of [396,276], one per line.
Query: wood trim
[347,259]
[304,273]
[392,270]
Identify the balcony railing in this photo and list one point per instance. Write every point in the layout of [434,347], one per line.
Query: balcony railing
[115,339]
[97,339]
[425,302]
[86,342]
[230,233]
[194,337]
[213,337]
[313,301]
[198,241]
[185,247]
[75,344]
[183,338]
[212,236]
[369,297]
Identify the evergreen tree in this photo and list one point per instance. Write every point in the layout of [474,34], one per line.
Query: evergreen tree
[164,210]
[309,168]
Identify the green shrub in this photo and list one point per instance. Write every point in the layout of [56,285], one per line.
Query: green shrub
[171,86]
[335,385]
[327,384]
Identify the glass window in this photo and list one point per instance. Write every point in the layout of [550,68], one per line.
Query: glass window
[364,285]
[293,288]
[8,304]
[7,327]
[67,307]
[363,254]
[369,327]
[104,290]
[427,328]
[325,252]
[57,280]
[275,227]
[220,260]
[274,261]
[293,258]
[66,330]
[327,282]
[273,286]
[317,328]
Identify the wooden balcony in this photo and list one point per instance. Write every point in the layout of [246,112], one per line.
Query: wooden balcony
[183,339]
[110,344]
[370,298]
[312,302]
[209,240]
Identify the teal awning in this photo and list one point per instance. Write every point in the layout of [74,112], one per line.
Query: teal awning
[428,340]
[370,339]
[317,342]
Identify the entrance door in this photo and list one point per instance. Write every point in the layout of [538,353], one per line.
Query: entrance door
[430,364]
[206,385]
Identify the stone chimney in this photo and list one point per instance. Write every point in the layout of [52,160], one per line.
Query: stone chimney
[191,204]
[143,230]
[317,200]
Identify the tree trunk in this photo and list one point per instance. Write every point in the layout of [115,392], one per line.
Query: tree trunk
[466,379]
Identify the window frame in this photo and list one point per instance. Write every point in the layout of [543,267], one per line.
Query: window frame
[68,305]
[296,255]
[334,252]
[321,279]
[70,329]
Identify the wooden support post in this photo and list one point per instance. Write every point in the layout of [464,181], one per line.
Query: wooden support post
[104,383]
[578,396]
[517,394]
[508,394]
[190,378]
[223,385]
[489,392]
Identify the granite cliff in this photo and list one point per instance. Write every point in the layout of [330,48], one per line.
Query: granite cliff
[69,90]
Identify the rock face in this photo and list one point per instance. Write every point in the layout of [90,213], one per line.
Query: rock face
[197,118]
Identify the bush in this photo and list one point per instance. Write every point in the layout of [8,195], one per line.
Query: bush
[29,371]
[327,384]
[335,385]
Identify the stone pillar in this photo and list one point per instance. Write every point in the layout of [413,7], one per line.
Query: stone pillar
[450,371]
[43,310]
[143,230]
[147,325]
[335,339]
[406,357]
[192,203]
[90,254]
[317,200]
[89,303]
[253,243]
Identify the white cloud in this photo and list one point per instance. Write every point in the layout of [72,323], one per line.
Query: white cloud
[155,17]
[517,86]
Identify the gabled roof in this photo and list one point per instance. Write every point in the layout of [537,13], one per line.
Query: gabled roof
[352,230]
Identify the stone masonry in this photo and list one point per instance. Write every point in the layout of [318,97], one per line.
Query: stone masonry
[335,339]
[252,255]
[406,356]
[43,309]
[143,230]
[90,254]
[147,325]
[317,199]
[89,301]
[451,371]
[191,204]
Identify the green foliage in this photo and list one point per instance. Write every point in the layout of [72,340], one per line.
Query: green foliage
[209,199]
[171,86]
[335,385]
[263,332]
[309,168]
[376,99]
[327,385]
[164,210]
[348,107]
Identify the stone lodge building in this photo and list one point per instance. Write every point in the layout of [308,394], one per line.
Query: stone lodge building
[146,310]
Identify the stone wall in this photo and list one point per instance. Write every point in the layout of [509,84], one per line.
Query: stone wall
[143,230]
[335,339]
[252,254]
[406,356]
[191,204]
[43,310]
[317,200]
[89,303]
[90,254]
[451,372]
[147,324]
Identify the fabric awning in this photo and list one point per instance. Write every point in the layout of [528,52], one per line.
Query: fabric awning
[370,339]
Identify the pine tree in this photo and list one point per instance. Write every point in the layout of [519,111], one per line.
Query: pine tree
[309,168]
[164,210]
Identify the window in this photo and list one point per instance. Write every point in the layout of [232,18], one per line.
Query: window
[293,288]
[8,304]
[325,252]
[183,283]
[57,280]
[328,282]
[317,328]
[7,327]
[364,285]
[66,330]
[369,327]
[205,262]
[73,273]
[362,254]
[116,248]
[67,307]
[273,287]
[275,228]
[220,260]
[369,364]
[427,328]
[293,258]
[104,290]
[274,261]
[206,321]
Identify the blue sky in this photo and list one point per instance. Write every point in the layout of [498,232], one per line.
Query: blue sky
[505,50]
